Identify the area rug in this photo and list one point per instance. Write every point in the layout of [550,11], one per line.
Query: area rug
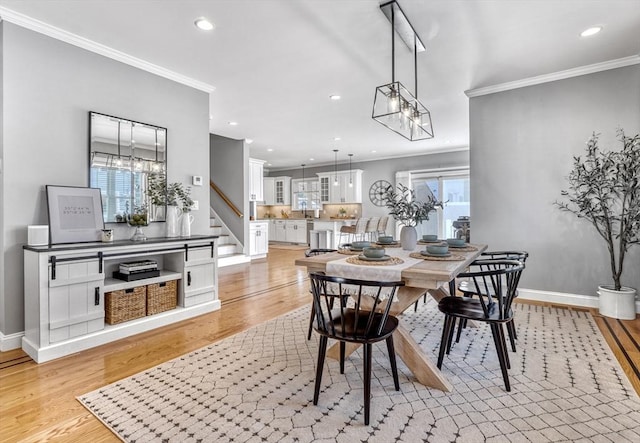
[257,386]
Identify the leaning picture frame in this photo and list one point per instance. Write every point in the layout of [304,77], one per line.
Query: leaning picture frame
[75,214]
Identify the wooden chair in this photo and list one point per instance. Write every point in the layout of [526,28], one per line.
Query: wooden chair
[494,308]
[351,322]
[313,253]
[468,290]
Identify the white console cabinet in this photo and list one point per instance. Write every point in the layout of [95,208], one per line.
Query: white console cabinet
[64,288]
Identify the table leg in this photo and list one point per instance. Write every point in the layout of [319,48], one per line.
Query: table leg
[421,366]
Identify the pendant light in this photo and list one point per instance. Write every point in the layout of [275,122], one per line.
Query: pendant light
[394,106]
[335,168]
[350,173]
[303,165]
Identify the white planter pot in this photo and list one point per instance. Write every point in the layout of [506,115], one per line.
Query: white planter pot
[617,304]
[408,238]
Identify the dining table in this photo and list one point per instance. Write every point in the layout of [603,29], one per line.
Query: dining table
[420,273]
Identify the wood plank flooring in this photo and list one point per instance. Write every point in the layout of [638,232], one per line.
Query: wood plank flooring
[38,402]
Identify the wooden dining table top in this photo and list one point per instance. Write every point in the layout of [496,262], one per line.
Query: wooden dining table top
[427,274]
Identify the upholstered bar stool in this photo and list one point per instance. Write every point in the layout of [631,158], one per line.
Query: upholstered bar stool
[382,225]
[354,232]
[371,231]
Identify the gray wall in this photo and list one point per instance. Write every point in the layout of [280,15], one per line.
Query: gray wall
[521,145]
[227,159]
[49,87]
[385,170]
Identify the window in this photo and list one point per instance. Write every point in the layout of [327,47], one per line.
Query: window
[451,187]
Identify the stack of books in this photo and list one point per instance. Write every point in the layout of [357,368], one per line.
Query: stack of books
[137,270]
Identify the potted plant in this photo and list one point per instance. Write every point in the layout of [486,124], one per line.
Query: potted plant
[604,189]
[404,208]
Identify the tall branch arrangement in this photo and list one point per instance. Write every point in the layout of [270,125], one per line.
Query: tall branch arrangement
[404,208]
[604,188]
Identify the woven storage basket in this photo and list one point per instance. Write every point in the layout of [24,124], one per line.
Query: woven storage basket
[125,304]
[162,297]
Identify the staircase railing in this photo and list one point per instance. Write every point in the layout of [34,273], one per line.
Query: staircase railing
[225,199]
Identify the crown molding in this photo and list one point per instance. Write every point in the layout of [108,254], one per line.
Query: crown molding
[60,34]
[560,75]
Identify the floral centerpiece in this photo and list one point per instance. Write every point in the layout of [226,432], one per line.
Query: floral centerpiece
[404,208]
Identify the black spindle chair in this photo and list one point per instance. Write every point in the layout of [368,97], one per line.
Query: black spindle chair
[354,322]
[312,253]
[469,291]
[497,280]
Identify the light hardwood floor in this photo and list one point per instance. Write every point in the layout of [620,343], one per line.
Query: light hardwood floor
[38,402]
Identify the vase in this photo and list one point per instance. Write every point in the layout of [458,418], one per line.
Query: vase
[173,228]
[138,235]
[185,225]
[617,304]
[408,238]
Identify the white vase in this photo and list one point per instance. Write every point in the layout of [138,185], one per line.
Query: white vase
[408,238]
[185,224]
[617,304]
[173,228]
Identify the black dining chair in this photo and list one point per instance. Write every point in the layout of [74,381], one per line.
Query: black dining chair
[497,280]
[468,290]
[354,322]
[312,253]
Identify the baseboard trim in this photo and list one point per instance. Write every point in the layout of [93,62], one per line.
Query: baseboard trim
[11,341]
[585,301]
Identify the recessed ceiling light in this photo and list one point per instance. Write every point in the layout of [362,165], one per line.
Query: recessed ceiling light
[334,97]
[591,31]
[270,150]
[204,24]
[337,139]
[268,164]
[311,159]
[374,151]
[233,123]
[210,117]
[248,140]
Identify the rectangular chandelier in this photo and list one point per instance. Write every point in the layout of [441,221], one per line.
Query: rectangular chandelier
[397,109]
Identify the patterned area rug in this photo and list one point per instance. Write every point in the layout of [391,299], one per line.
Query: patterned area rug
[257,386]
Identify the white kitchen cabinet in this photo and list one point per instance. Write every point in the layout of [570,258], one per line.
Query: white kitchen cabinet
[256,171]
[282,190]
[258,239]
[342,192]
[281,230]
[64,287]
[268,191]
[272,229]
[296,231]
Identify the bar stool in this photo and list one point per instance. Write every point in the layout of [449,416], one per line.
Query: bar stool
[372,228]
[382,225]
[354,232]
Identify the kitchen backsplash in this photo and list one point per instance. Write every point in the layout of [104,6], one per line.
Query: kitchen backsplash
[328,211]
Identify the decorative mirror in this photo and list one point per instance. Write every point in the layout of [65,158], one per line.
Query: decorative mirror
[128,162]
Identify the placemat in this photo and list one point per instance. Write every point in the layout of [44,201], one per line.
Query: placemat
[389,245]
[452,257]
[391,261]
[347,251]
[467,248]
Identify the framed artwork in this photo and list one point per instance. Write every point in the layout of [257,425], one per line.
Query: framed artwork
[75,214]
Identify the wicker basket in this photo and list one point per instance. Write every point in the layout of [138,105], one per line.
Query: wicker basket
[162,297]
[125,304]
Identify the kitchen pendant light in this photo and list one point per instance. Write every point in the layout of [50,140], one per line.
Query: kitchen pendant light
[394,106]
[335,168]
[303,165]
[350,173]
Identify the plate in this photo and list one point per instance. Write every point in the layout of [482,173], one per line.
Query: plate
[383,258]
[460,246]
[355,249]
[387,244]
[430,241]
[429,254]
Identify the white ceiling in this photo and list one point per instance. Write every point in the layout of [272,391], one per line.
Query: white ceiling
[274,63]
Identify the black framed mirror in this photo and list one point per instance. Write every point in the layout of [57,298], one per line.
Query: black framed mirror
[128,162]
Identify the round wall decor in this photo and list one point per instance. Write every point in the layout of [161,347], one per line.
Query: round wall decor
[377,191]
